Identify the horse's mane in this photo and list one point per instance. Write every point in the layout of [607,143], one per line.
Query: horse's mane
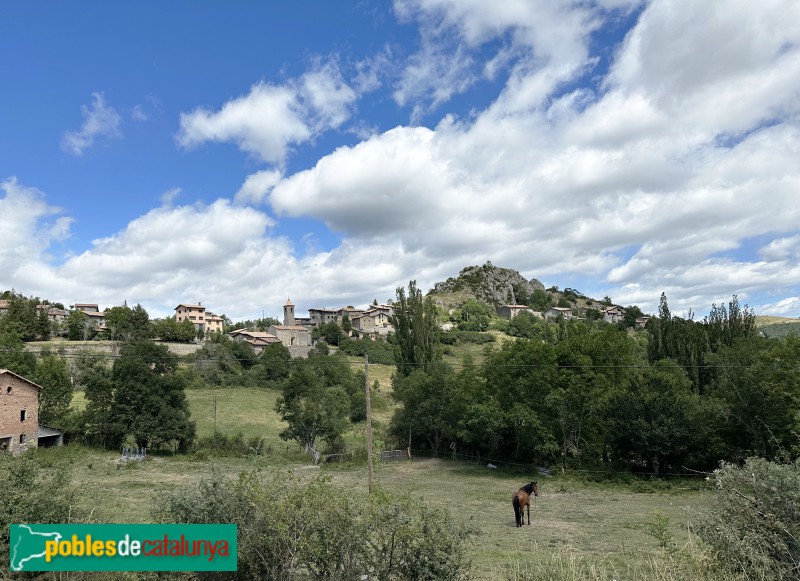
[529,487]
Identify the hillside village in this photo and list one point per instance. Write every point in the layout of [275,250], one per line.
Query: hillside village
[374,321]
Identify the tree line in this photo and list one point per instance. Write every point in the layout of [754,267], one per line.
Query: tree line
[682,394]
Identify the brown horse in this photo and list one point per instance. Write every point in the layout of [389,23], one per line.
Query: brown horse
[521,499]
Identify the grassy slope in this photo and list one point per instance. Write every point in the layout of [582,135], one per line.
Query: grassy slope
[577,526]
[579,531]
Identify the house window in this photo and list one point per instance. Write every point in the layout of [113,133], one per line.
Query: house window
[22,438]
[22,415]
[8,389]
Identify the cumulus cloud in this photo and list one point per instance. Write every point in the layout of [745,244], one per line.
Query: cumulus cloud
[654,178]
[271,118]
[681,170]
[256,187]
[100,120]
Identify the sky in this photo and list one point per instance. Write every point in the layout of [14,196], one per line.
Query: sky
[241,153]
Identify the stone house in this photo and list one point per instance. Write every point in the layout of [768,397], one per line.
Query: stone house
[19,415]
[364,324]
[555,312]
[322,316]
[97,318]
[641,322]
[291,335]
[613,315]
[256,339]
[511,311]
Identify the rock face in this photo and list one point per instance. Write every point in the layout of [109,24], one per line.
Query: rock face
[492,284]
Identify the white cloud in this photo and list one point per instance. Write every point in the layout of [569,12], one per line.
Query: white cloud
[682,170]
[99,121]
[257,186]
[29,225]
[657,179]
[782,249]
[788,307]
[271,119]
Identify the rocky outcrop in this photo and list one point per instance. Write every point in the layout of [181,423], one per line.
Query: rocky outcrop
[491,284]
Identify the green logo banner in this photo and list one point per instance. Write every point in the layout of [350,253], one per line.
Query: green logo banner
[122,547]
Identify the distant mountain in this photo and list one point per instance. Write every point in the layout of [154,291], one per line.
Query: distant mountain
[777,327]
[488,283]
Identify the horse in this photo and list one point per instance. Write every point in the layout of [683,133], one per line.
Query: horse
[521,499]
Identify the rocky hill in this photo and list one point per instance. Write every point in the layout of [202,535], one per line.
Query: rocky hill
[491,284]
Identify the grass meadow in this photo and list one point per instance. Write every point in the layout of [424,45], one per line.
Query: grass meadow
[581,529]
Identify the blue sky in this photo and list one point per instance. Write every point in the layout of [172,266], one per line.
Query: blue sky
[239,153]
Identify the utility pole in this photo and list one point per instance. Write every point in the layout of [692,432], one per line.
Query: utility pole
[369,424]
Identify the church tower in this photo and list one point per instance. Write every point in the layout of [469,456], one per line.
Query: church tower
[288,313]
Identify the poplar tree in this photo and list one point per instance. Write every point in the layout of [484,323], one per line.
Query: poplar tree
[415,330]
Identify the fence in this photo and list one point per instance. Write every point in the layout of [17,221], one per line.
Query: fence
[129,454]
[391,455]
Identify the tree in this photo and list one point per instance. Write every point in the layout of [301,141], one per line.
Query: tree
[79,327]
[149,399]
[475,316]
[128,323]
[312,405]
[55,395]
[659,421]
[759,381]
[14,356]
[272,366]
[99,394]
[21,317]
[415,330]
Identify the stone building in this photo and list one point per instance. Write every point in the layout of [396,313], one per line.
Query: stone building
[511,311]
[19,412]
[291,335]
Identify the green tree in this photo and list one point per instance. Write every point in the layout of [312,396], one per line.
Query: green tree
[415,330]
[759,381]
[313,404]
[149,399]
[79,327]
[272,366]
[474,316]
[14,356]
[128,323]
[21,317]
[99,395]
[55,395]
[659,421]
[540,300]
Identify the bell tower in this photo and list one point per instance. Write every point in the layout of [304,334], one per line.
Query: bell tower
[288,313]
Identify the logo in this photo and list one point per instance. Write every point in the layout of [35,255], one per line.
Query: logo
[121,547]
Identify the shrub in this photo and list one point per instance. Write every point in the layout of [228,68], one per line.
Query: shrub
[293,529]
[754,527]
[31,494]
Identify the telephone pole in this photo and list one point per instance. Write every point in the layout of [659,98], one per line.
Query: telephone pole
[369,424]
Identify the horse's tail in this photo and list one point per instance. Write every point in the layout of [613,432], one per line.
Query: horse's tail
[517,514]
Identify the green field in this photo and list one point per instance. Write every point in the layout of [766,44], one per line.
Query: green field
[580,530]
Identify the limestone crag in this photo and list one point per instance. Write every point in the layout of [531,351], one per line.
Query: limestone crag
[491,284]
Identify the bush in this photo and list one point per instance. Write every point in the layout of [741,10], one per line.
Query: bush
[31,494]
[453,337]
[754,528]
[378,351]
[293,529]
